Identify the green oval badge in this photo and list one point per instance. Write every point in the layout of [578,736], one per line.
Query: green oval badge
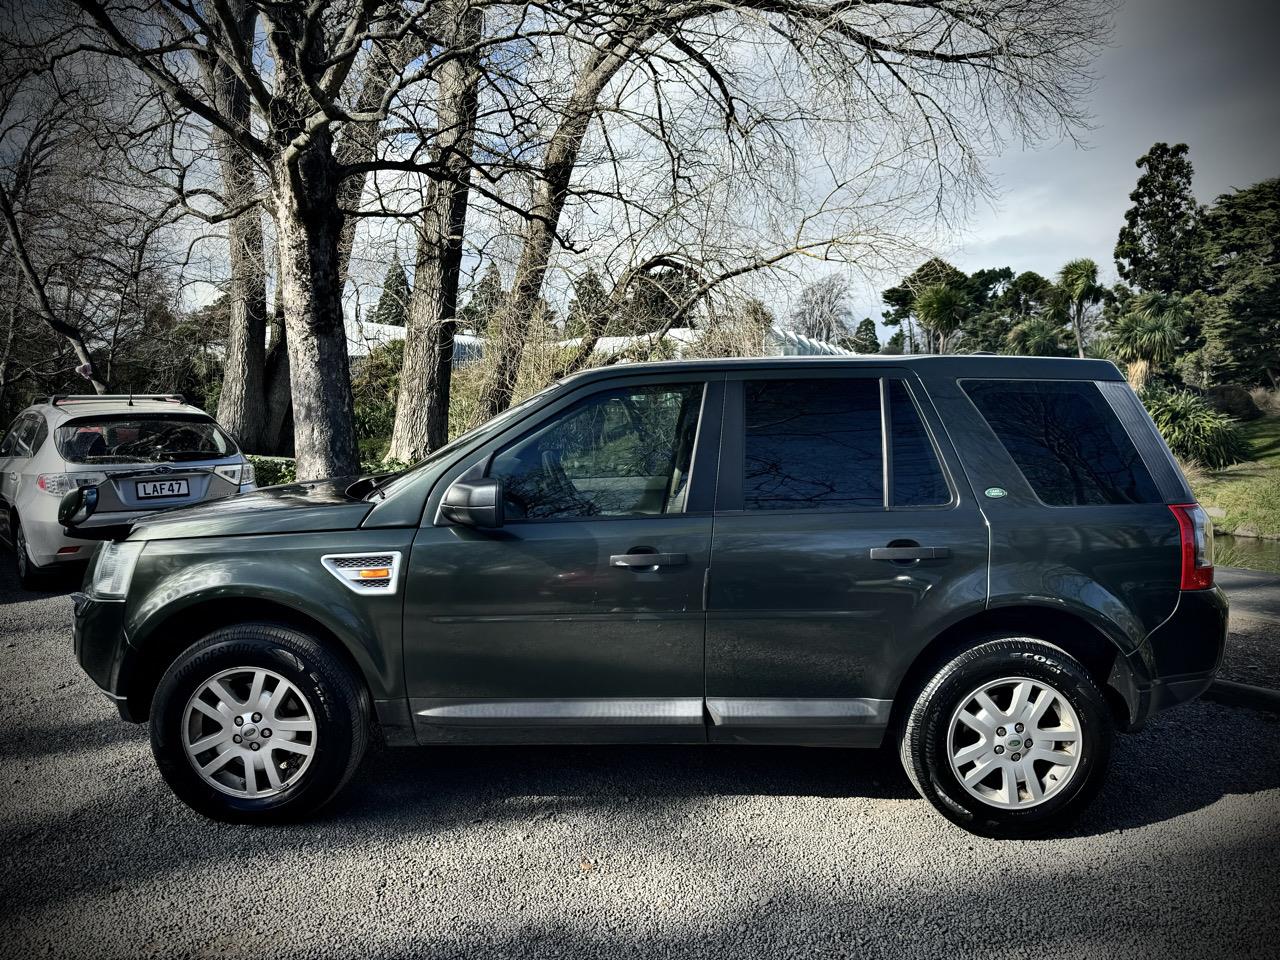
[995,493]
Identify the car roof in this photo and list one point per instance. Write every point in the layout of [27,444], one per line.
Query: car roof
[62,409]
[926,365]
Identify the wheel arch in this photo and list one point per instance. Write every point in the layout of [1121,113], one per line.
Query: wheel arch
[1102,655]
[157,652]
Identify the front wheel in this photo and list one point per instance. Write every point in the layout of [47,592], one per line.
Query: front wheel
[258,723]
[1010,739]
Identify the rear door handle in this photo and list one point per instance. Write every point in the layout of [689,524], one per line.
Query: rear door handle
[910,553]
[648,559]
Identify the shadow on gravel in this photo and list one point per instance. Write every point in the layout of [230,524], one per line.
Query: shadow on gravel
[1184,762]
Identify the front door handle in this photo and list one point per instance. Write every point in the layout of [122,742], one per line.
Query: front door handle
[648,559]
[910,553]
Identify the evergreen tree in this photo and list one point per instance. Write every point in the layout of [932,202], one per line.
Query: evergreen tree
[487,297]
[895,345]
[393,304]
[589,307]
[1159,245]
[1242,317]
[864,339]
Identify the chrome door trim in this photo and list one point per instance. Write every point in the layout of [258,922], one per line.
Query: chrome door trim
[619,711]
[797,712]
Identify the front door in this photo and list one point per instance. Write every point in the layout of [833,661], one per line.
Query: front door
[846,537]
[582,617]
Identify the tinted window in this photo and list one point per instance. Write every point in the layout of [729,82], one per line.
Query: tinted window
[917,475]
[41,434]
[11,438]
[1066,440]
[623,452]
[812,444]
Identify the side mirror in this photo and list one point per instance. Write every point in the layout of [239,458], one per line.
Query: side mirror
[474,503]
[77,506]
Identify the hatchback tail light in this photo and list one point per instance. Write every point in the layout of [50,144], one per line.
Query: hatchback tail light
[60,484]
[1195,532]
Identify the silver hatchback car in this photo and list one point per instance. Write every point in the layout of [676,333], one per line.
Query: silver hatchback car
[143,453]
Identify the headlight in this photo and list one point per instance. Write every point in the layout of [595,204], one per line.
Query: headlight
[114,568]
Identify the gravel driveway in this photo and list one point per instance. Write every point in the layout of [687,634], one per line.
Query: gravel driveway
[608,852]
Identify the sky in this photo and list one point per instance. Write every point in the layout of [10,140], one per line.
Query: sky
[1203,72]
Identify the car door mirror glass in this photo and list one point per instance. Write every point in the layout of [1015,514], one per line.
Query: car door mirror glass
[77,506]
[474,503]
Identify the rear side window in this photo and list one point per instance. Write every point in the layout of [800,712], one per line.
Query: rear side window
[812,444]
[1066,440]
[917,476]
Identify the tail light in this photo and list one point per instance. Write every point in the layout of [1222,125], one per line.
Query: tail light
[1195,532]
[60,484]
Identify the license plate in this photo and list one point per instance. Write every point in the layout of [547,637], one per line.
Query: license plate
[150,489]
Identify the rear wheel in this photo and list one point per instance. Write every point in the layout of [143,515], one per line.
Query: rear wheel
[1011,738]
[30,576]
[258,723]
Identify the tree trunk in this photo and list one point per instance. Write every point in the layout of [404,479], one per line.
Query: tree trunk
[422,407]
[309,227]
[241,407]
[279,428]
[549,195]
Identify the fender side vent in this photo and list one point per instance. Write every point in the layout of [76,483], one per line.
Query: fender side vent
[365,572]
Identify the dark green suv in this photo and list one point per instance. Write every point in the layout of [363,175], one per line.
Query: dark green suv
[992,562]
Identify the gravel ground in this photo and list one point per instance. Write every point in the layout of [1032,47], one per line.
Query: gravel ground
[645,852]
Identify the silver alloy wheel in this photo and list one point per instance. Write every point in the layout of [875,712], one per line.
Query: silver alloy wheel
[20,548]
[1014,742]
[245,726]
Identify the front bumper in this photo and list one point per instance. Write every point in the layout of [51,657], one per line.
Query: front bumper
[103,650]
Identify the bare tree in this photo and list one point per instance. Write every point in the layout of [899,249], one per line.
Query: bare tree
[937,78]
[422,408]
[822,310]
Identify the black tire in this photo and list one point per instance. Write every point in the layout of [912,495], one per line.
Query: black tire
[338,701]
[30,576]
[924,742]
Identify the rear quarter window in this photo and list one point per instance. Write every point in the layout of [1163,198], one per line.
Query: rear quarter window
[1066,440]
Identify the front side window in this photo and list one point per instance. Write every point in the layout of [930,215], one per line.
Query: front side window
[1066,440]
[624,452]
[812,444]
[142,439]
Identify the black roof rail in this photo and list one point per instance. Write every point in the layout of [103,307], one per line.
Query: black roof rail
[59,398]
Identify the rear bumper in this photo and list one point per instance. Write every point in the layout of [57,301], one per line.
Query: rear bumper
[102,649]
[1186,650]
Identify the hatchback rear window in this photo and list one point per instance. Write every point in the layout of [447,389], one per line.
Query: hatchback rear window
[1066,440]
[142,439]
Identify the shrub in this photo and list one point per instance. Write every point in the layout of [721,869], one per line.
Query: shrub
[1233,400]
[1196,432]
[1268,401]
[273,470]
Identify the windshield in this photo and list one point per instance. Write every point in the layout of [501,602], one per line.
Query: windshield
[163,438]
[475,435]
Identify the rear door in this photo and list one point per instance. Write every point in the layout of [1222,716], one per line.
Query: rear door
[15,458]
[581,618]
[845,538]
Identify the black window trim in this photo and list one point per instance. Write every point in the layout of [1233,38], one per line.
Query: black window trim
[733,442]
[1030,487]
[701,479]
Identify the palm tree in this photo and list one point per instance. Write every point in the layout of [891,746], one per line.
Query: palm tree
[1148,335]
[1039,335]
[941,310]
[1078,281]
